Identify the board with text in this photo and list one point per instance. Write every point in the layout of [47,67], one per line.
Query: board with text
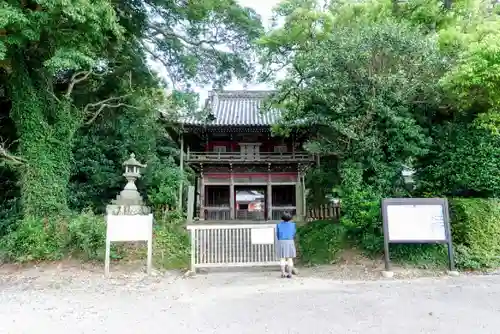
[418,221]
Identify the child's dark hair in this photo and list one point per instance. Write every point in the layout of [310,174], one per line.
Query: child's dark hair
[286,217]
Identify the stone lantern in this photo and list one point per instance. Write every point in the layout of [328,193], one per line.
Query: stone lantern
[129,201]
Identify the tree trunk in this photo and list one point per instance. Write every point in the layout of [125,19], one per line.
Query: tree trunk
[45,141]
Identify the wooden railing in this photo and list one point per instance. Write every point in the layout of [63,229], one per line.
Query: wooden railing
[237,156]
[250,215]
[325,211]
[278,211]
[217,213]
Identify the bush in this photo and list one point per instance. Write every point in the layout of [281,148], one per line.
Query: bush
[32,240]
[420,255]
[476,232]
[171,247]
[85,236]
[320,242]
[35,239]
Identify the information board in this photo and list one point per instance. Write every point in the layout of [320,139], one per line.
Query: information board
[416,223]
[129,228]
[262,235]
[416,220]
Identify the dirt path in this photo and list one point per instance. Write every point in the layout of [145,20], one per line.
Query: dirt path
[77,298]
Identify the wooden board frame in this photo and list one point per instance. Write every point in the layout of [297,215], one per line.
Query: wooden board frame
[416,202]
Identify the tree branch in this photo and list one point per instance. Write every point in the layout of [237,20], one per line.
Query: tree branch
[76,79]
[5,154]
[112,102]
[160,30]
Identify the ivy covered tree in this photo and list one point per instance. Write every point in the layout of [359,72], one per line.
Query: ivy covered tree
[69,64]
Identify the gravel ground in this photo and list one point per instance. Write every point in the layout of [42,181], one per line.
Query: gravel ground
[80,300]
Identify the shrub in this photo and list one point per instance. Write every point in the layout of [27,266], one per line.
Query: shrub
[320,242]
[32,239]
[36,239]
[85,236]
[171,247]
[476,232]
[420,255]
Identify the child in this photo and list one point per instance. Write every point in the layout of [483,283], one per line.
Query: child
[285,233]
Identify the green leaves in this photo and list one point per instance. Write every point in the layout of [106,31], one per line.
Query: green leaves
[361,83]
[206,42]
[69,59]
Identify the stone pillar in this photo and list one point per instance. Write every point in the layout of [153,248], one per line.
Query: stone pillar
[190,204]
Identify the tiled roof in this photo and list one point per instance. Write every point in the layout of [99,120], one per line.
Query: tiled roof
[235,108]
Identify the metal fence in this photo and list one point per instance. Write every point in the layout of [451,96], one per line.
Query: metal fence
[229,245]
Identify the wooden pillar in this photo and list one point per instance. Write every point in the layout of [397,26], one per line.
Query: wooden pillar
[269,201]
[181,170]
[202,196]
[269,193]
[304,197]
[232,209]
[298,197]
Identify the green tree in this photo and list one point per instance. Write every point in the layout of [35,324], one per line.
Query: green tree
[462,162]
[42,41]
[363,87]
[59,55]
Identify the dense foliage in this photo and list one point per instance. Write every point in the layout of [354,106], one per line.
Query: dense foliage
[476,230]
[385,86]
[78,95]
[391,86]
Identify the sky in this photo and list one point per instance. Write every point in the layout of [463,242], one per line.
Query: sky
[262,7]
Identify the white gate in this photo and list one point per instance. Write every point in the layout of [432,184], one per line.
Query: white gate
[232,245]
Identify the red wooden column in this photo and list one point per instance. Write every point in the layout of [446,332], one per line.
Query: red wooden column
[202,196]
[269,193]
[232,212]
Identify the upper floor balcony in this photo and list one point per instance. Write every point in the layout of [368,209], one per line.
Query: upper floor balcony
[244,157]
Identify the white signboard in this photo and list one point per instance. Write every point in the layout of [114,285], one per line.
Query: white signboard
[416,223]
[129,228]
[262,236]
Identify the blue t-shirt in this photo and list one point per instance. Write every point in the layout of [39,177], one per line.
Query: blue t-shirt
[286,230]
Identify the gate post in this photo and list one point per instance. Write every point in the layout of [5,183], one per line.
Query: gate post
[190,204]
[193,250]
[298,199]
